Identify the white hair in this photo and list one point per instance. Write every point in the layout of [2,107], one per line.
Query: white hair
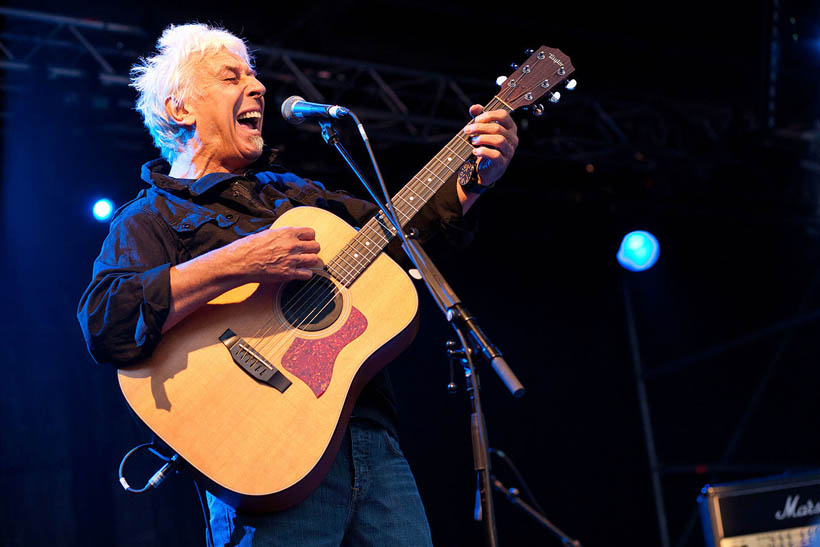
[169,73]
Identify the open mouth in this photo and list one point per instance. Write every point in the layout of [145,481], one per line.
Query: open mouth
[251,120]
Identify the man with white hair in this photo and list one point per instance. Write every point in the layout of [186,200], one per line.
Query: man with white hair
[200,229]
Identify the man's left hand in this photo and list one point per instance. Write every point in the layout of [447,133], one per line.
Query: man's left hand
[494,136]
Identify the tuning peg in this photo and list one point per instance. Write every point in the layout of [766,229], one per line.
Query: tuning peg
[570,85]
[537,109]
[500,80]
[555,97]
[529,52]
[514,66]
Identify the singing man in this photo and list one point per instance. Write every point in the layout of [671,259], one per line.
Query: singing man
[200,227]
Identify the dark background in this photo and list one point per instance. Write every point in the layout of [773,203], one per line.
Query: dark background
[670,130]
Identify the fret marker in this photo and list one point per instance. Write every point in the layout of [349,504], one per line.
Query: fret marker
[429,180]
[367,243]
[355,255]
[411,198]
[449,159]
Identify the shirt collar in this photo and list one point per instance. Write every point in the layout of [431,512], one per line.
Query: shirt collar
[155,173]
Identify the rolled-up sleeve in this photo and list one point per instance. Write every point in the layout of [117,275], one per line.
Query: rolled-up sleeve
[443,215]
[122,311]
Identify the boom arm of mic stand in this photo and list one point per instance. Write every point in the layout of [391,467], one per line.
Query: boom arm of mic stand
[512,495]
[451,306]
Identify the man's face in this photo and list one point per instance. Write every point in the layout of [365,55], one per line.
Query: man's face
[228,107]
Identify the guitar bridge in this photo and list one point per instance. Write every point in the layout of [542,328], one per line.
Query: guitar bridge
[252,362]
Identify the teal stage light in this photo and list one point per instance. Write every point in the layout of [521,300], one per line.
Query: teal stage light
[639,251]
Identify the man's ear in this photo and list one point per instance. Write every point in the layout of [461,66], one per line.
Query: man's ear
[178,112]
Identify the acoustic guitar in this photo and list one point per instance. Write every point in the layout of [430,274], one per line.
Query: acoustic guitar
[254,390]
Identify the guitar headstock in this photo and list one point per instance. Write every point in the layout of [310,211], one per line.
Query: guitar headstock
[545,69]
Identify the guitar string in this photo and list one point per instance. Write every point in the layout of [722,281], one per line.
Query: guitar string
[459,141]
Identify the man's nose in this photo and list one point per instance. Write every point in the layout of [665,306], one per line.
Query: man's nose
[256,88]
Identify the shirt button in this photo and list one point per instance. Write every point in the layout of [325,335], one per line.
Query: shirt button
[229,217]
[187,225]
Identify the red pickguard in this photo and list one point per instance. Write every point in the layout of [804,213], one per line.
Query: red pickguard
[312,360]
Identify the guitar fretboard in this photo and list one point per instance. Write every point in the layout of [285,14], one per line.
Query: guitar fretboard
[374,236]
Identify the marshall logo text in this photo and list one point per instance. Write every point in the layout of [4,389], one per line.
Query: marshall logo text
[792,511]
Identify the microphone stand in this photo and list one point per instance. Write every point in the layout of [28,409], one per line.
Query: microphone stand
[463,322]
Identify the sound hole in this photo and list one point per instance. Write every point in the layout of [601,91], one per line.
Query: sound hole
[311,305]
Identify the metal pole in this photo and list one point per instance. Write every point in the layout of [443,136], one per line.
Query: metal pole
[643,400]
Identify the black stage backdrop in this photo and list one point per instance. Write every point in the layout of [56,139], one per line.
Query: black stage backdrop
[667,132]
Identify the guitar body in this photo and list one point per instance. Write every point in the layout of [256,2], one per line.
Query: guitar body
[258,447]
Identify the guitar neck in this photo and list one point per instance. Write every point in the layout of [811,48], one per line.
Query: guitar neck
[374,236]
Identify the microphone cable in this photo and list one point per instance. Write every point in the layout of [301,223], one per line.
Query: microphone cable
[157,478]
[170,465]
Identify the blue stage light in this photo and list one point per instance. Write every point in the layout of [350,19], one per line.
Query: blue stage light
[103,209]
[639,251]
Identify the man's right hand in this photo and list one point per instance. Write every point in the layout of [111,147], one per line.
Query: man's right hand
[275,255]
[270,256]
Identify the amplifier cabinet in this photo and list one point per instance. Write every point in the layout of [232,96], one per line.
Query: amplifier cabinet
[774,511]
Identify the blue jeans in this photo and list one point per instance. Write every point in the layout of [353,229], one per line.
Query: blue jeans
[369,498]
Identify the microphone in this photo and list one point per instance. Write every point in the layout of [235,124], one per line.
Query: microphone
[295,110]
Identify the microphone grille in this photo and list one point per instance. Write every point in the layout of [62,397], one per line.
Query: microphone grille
[287,110]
